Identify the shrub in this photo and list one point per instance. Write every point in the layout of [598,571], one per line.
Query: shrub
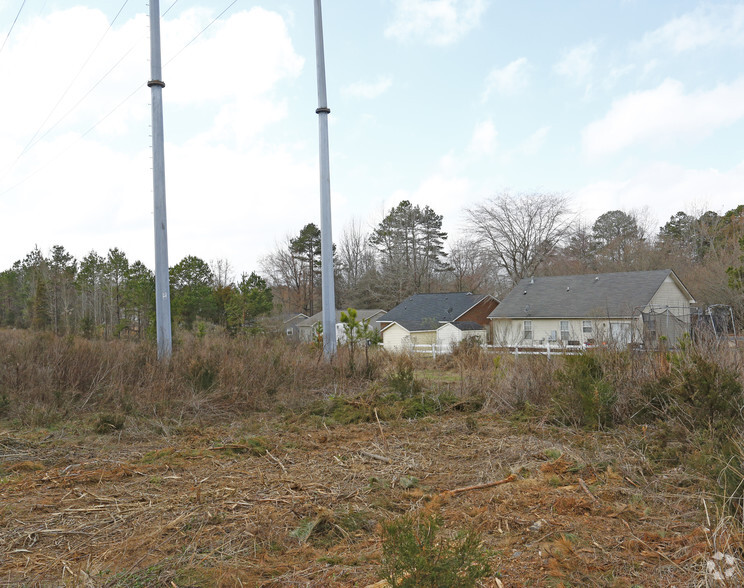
[704,394]
[585,396]
[402,380]
[415,556]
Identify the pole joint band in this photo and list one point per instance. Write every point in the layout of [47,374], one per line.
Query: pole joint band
[323,109]
[152,83]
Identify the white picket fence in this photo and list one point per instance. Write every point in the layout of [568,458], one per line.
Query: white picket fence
[548,350]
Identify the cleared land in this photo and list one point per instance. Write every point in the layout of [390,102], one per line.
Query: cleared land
[296,500]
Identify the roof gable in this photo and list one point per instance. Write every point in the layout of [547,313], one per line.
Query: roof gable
[615,295]
[362,314]
[425,312]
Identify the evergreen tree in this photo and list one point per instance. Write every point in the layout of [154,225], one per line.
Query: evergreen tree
[411,243]
[250,299]
[192,290]
[306,248]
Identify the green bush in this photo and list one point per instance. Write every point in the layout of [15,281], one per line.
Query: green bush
[584,396]
[415,556]
[700,392]
[402,380]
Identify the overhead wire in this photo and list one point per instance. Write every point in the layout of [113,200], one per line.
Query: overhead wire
[113,110]
[31,141]
[67,147]
[80,101]
[12,26]
[200,33]
[169,8]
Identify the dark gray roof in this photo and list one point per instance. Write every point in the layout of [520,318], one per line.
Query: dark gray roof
[468,326]
[592,295]
[425,312]
[362,313]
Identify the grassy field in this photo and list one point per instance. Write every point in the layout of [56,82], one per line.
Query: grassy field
[253,463]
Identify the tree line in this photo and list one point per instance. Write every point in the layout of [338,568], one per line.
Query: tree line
[111,296]
[507,237]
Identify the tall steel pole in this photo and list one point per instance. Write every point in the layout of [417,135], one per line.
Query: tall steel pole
[326,237]
[162,285]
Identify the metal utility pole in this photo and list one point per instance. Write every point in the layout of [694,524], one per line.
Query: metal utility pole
[162,284]
[326,237]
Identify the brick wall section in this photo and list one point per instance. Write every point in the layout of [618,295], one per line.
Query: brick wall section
[479,313]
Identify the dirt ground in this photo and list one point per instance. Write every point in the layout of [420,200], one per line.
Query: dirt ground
[293,501]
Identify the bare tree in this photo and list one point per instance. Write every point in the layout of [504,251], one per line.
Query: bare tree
[286,276]
[355,259]
[223,272]
[519,231]
[469,267]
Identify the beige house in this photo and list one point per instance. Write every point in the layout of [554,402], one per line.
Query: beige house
[439,320]
[595,309]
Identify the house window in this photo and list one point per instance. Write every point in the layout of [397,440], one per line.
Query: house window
[527,330]
[289,332]
[564,331]
[586,327]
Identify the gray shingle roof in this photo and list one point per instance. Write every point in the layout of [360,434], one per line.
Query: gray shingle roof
[362,313]
[425,312]
[592,295]
[468,326]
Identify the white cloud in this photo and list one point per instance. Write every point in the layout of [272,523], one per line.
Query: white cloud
[720,25]
[444,193]
[436,22]
[368,90]
[483,140]
[202,73]
[532,144]
[228,184]
[510,79]
[615,74]
[664,114]
[670,188]
[577,63]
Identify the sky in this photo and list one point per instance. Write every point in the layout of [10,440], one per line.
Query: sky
[635,105]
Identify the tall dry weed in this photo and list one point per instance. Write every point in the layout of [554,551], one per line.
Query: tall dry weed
[41,374]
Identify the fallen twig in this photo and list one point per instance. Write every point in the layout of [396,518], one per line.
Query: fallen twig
[375,456]
[281,465]
[384,441]
[586,490]
[506,480]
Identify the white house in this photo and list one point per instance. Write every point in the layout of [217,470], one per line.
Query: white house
[596,309]
[436,319]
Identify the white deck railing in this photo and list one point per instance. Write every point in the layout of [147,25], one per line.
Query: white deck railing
[547,349]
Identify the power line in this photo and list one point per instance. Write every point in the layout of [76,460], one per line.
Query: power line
[80,101]
[67,148]
[124,101]
[199,34]
[15,20]
[74,79]
[169,8]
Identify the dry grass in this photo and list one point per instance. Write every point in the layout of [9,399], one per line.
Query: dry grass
[200,508]
[220,470]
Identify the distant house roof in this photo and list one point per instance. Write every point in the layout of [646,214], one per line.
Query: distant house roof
[468,326]
[614,295]
[292,317]
[362,314]
[426,312]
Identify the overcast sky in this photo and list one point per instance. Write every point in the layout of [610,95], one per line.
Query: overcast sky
[630,104]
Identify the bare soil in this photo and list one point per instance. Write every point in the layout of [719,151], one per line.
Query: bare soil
[277,500]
